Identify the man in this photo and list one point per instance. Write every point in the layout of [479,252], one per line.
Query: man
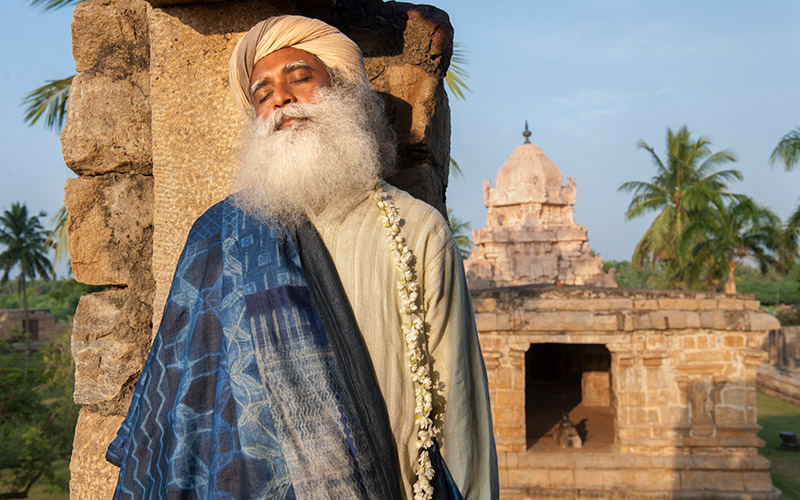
[318,340]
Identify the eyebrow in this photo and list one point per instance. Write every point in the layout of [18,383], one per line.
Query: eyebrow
[288,68]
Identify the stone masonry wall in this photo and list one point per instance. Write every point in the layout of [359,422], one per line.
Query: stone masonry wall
[151,130]
[683,391]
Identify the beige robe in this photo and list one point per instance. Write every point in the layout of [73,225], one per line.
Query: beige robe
[355,236]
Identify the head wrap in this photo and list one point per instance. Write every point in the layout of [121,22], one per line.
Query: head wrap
[333,48]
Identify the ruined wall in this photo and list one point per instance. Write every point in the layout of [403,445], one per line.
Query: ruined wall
[683,391]
[150,132]
[780,376]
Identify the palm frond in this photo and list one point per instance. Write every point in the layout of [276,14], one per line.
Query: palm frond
[456,75]
[58,236]
[455,169]
[53,4]
[788,150]
[50,101]
[460,229]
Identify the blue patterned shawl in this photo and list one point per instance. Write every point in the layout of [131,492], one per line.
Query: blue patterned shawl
[256,385]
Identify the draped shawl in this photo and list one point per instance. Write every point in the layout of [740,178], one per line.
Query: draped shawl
[258,383]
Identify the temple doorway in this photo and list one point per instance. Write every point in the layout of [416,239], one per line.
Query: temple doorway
[572,380]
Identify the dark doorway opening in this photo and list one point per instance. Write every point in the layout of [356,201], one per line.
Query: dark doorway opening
[571,379]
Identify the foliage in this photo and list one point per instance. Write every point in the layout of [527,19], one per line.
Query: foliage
[37,416]
[717,239]
[774,416]
[627,275]
[788,150]
[770,292]
[456,76]
[455,79]
[685,183]
[48,101]
[26,248]
[53,4]
[58,236]
[788,315]
[60,296]
[460,229]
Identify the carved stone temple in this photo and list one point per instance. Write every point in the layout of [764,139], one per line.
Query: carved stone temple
[660,385]
[531,235]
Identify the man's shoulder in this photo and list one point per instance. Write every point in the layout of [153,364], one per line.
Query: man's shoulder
[423,223]
[209,225]
[414,210]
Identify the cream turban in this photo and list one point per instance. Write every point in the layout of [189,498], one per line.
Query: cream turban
[333,48]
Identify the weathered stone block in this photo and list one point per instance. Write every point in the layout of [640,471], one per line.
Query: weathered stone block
[760,321]
[108,125]
[110,227]
[110,36]
[91,476]
[578,321]
[596,388]
[107,354]
[677,304]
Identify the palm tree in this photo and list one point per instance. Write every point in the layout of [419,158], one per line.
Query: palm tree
[58,236]
[49,102]
[26,248]
[788,150]
[684,184]
[460,229]
[455,79]
[717,240]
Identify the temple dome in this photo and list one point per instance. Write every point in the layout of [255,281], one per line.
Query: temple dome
[529,176]
[529,167]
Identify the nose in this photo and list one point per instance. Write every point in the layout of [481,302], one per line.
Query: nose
[282,95]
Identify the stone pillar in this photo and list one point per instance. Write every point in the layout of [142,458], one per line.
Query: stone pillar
[107,142]
[150,132]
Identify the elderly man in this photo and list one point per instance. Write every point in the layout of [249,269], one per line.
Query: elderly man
[318,339]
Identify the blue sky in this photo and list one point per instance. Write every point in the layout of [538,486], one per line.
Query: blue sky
[591,77]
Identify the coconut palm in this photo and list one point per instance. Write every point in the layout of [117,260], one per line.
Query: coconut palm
[460,229]
[717,241]
[455,79]
[26,248]
[685,183]
[788,150]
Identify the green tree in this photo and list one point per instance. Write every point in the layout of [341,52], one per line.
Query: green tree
[26,249]
[460,229]
[49,103]
[685,182]
[788,150]
[716,241]
[37,417]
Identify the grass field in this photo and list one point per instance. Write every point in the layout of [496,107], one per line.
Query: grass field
[774,416]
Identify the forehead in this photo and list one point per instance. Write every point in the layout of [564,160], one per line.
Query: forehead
[275,62]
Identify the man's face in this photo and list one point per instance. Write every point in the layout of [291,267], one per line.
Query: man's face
[284,77]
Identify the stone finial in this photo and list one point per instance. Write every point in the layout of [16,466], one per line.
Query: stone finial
[526,134]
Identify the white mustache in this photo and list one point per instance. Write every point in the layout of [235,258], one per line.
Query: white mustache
[294,110]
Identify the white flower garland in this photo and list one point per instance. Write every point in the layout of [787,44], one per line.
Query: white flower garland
[414,332]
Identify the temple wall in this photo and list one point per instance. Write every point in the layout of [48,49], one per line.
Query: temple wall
[682,391]
[780,376]
[151,132]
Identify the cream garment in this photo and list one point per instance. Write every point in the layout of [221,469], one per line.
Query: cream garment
[355,237]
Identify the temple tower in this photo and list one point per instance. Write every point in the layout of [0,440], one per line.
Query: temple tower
[531,235]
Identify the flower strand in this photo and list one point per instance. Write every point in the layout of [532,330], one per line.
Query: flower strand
[414,334]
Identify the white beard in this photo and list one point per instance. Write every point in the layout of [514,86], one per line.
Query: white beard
[332,155]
